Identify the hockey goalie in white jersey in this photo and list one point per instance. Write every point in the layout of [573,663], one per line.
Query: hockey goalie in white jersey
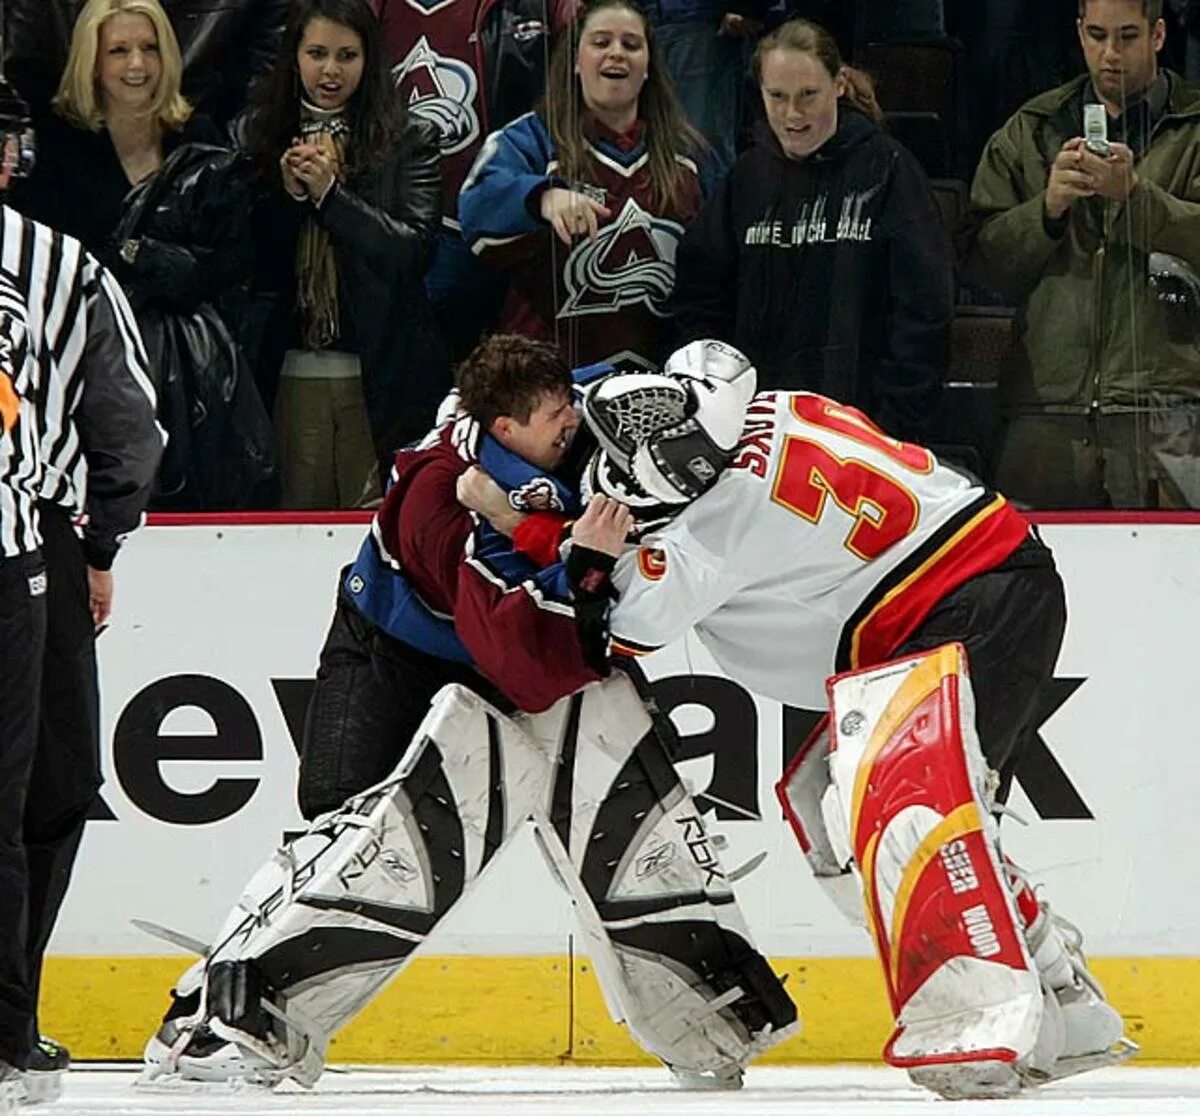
[815,557]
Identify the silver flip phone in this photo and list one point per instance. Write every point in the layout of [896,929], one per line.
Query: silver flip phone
[1095,130]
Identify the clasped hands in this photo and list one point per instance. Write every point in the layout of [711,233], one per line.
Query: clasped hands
[308,169]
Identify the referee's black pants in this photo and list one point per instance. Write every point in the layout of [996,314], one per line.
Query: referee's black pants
[22,643]
[66,766]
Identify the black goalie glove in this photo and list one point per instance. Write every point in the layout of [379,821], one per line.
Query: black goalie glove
[589,573]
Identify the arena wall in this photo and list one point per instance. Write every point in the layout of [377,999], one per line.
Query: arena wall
[205,672]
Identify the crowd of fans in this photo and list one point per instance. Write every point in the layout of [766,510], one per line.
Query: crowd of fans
[317,207]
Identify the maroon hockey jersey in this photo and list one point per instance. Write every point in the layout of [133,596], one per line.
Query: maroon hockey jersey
[597,300]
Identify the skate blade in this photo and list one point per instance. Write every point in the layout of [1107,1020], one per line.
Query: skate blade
[702,1081]
[12,1093]
[41,1088]
[1121,1051]
[982,1080]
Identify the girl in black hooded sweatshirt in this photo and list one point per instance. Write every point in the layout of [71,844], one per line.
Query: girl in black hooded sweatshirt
[821,254]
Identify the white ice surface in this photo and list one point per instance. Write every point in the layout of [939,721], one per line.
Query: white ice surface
[487,1091]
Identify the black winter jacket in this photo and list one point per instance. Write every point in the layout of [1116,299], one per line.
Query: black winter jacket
[382,225]
[225,44]
[832,273]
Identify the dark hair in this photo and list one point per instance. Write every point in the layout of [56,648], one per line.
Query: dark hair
[668,132]
[810,38]
[508,374]
[1151,9]
[375,112]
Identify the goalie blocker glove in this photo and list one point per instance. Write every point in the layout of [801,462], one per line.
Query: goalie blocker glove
[589,573]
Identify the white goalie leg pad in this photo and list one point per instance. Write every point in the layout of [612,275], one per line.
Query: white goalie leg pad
[338,912]
[802,793]
[672,952]
[909,803]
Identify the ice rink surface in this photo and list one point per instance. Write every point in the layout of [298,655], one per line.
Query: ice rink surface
[489,1091]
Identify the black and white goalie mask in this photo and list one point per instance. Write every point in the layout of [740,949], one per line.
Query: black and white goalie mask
[664,437]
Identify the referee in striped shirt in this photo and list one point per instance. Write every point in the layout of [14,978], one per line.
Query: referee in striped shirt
[76,468]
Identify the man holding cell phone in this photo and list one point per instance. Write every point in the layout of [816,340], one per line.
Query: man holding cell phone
[1078,205]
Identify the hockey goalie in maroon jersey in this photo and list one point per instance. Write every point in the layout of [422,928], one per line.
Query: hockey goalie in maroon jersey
[932,615]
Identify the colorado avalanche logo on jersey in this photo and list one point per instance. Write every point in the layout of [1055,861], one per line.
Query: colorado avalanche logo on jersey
[630,263]
[441,90]
[538,494]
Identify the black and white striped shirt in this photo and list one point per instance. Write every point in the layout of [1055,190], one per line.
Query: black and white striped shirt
[20,461]
[98,441]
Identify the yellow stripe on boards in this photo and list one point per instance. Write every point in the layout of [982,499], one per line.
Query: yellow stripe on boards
[518,1009]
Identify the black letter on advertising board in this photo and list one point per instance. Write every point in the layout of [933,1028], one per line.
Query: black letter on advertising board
[140,747]
[732,741]
[1043,779]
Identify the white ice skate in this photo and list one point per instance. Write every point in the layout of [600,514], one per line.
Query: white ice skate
[12,1089]
[1092,1033]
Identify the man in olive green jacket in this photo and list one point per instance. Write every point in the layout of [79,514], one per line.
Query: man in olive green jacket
[1100,252]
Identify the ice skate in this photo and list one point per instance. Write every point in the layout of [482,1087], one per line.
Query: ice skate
[48,1065]
[1092,1031]
[12,1089]
[725,1079]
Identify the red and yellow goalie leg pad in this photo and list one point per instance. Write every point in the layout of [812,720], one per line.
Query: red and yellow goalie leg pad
[908,798]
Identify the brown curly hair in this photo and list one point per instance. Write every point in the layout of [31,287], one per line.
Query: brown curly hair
[507,374]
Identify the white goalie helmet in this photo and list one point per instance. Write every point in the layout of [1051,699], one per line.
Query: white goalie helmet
[666,436]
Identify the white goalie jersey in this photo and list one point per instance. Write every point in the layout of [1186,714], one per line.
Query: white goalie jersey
[820,549]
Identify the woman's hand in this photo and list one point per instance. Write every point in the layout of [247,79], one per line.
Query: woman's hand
[287,167]
[571,214]
[312,166]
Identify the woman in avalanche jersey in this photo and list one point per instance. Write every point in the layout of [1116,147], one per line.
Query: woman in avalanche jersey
[821,255]
[583,202]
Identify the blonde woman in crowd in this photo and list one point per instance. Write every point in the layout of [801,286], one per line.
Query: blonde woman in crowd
[117,116]
[584,201]
[822,254]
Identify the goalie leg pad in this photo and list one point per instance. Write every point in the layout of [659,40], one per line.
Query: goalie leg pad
[801,792]
[670,947]
[338,912]
[909,803]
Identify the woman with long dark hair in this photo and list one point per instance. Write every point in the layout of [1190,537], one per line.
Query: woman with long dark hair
[821,255]
[347,211]
[584,201]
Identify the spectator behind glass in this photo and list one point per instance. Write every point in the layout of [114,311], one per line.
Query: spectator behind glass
[348,208]
[225,44]
[1103,397]
[583,202]
[705,45]
[118,113]
[821,255]
[469,68]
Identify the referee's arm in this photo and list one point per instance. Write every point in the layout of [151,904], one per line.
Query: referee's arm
[120,437]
